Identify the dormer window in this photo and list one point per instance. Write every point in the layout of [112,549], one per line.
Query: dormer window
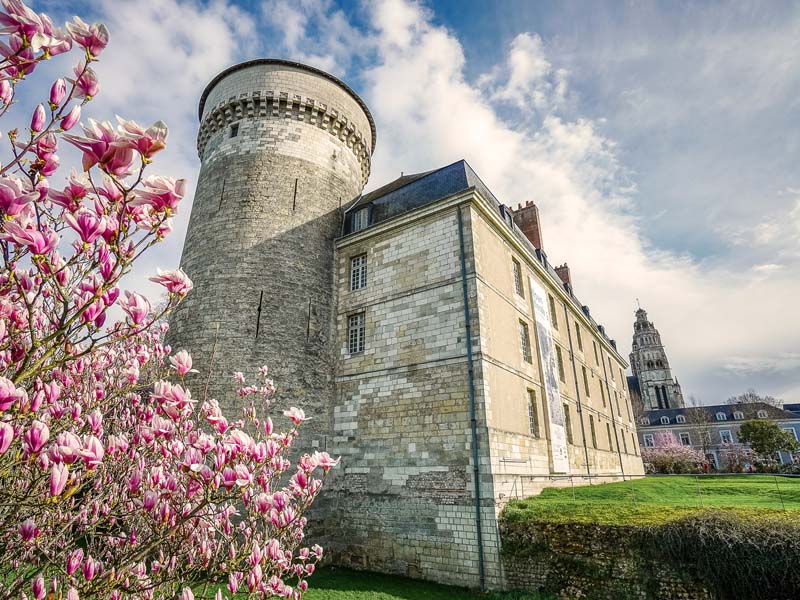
[645,421]
[762,414]
[360,219]
[680,419]
[738,415]
[721,416]
[665,420]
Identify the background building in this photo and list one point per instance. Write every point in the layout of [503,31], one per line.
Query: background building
[657,388]
[422,325]
[714,429]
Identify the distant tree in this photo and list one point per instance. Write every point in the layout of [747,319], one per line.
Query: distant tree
[766,438]
[752,397]
[736,457]
[670,456]
[702,421]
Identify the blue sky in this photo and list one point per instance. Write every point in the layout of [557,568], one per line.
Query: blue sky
[660,139]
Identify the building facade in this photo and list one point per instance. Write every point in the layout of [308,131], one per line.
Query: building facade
[657,388]
[714,430]
[440,354]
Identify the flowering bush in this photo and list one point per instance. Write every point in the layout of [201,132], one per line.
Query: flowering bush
[114,481]
[670,456]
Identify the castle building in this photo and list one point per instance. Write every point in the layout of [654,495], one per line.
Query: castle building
[656,386]
[441,355]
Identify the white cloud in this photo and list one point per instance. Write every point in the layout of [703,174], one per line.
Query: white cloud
[428,114]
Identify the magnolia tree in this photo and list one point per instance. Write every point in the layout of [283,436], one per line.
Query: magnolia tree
[114,480]
[668,455]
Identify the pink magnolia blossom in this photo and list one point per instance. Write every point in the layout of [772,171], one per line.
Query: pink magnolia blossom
[86,83]
[182,363]
[136,306]
[39,242]
[92,451]
[74,560]
[58,92]
[72,594]
[72,117]
[297,415]
[13,197]
[38,119]
[6,436]
[28,530]
[160,193]
[94,38]
[59,475]
[20,19]
[176,282]
[97,145]
[145,141]
[87,224]
[38,587]
[9,394]
[36,437]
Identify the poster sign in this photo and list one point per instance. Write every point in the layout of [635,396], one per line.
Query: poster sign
[548,361]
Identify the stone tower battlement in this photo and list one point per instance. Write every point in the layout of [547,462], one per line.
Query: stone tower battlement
[283,147]
[282,90]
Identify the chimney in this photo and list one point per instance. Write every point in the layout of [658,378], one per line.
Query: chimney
[527,219]
[563,273]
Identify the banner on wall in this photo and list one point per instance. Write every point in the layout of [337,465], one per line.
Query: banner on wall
[549,364]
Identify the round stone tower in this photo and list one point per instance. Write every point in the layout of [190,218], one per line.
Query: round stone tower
[283,147]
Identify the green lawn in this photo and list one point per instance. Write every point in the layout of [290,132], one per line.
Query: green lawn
[343,584]
[654,500]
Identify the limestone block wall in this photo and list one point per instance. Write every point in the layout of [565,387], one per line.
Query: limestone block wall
[518,458]
[402,500]
[282,147]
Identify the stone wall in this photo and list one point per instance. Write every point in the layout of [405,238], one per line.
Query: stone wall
[260,242]
[598,562]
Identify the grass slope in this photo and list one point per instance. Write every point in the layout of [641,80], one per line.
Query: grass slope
[660,499]
[343,584]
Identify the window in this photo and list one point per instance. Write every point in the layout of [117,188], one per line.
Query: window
[762,414]
[665,420]
[649,441]
[721,416]
[518,287]
[622,379]
[560,360]
[578,336]
[624,443]
[602,394]
[553,315]
[594,433]
[645,421]
[596,356]
[685,439]
[585,382]
[633,441]
[234,130]
[358,272]
[611,368]
[680,419]
[533,419]
[726,437]
[610,439]
[567,423]
[355,333]
[360,218]
[738,415]
[525,340]
[791,431]
[628,409]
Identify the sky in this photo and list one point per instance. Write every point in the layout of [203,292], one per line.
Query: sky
[660,140]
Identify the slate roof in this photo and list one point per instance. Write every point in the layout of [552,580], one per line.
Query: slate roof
[792,408]
[749,410]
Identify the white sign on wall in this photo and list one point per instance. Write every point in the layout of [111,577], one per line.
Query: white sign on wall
[547,352]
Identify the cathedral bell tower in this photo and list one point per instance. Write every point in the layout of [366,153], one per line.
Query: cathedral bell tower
[659,389]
